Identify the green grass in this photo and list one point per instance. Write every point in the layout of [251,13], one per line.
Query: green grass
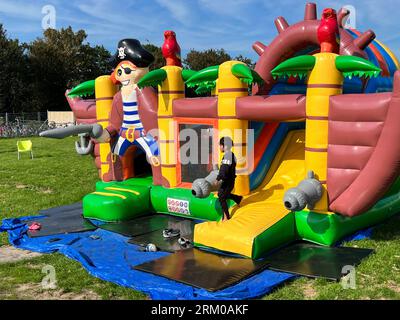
[58,176]
[22,280]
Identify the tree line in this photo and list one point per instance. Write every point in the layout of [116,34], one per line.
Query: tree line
[35,75]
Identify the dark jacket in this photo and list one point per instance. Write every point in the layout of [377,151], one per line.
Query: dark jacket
[227,170]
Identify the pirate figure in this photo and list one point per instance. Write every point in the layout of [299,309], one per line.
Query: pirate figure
[130,62]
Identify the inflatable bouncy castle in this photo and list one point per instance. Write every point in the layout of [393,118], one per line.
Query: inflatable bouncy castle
[314,128]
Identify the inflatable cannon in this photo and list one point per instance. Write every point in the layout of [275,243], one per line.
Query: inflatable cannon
[84,131]
[201,188]
[307,193]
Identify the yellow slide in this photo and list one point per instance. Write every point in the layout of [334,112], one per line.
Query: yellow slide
[262,209]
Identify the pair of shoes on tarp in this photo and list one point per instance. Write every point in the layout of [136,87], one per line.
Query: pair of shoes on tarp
[184,243]
[171,233]
[151,247]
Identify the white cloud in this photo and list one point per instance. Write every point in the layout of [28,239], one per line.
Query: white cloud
[179,9]
[244,13]
[232,9]
[21,9]
[123,18]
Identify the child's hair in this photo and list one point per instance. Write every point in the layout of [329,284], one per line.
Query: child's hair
[226,141]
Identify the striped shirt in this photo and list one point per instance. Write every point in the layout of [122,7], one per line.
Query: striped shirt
[131,113]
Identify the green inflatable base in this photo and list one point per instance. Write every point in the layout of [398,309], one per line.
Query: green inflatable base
[181,202]
[122,201]
[119,201]
[280,234]
[125,200]
[329,229]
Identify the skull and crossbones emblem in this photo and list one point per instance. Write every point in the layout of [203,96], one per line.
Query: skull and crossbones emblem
[121,53]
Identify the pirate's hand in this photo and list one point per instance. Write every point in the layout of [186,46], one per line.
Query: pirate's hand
[130,134]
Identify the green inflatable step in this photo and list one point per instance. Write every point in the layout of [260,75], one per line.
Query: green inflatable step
[142,181]
[119,201]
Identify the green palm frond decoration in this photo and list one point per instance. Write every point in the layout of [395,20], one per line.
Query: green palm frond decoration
[297,67]
[153,78]
[83,89]
[187,74]
[246,75]
[206,87]
[352,66]
[204,78]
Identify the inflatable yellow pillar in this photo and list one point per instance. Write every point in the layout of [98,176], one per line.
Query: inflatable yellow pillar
[171,88]
[324,81]
[105,91]
[229,89]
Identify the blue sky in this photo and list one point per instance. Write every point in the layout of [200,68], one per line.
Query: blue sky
[200,24]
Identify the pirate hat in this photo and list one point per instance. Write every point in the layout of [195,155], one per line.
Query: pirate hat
[132,50]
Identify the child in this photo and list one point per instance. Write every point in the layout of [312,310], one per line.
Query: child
[227,174]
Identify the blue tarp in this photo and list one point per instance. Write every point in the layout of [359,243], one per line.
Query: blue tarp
[108,256]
